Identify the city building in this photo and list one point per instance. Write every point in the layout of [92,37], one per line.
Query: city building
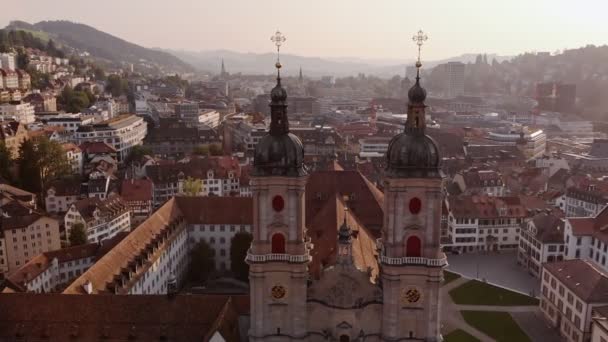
[13,134]
[10,79]
[570,290]
[102,219]
[8,60]
[187,111]
[42,102]
[69,122]
[599,325]
[218,176]
[453,78]
[484,223]
[586,201]
[50,271]
[587,238]
[18,111]
[178,139]
[534,141]
[25,236]
[476,181]
[61,194]
[122,132]
[541,240]
[74,157]
[138,194]
[23,79]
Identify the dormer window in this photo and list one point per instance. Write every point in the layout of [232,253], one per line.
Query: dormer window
[210,174]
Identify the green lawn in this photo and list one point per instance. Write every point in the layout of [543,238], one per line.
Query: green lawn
[475,292]
[498,325]
[449,277]
[459,336]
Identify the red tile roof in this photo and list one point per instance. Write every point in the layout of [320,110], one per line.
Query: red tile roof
[96,147]
[137,189]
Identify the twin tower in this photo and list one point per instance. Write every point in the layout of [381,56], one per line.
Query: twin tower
[402,303]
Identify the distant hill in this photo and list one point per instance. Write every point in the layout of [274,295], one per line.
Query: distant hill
[253,63]
[102,45]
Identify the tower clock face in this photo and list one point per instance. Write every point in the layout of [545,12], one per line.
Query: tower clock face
[278,292]
[410,295]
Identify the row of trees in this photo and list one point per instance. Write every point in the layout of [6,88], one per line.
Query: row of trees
[202,259]
[74,101]
[10,39]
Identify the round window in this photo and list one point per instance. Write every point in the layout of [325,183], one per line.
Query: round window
[415,205]
[278,203]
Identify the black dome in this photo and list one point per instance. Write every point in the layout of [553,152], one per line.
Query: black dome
[416,94]
[413,155]
[278,93]
[279,155]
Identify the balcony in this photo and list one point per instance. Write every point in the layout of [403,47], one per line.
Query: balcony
[274,257]
[414,261]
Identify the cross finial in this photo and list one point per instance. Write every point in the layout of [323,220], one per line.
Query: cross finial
[419,38]
[278,39]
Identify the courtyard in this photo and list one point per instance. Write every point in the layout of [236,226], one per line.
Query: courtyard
[496,268]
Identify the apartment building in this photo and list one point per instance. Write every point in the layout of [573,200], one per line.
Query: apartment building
[484,223]
[587,238]
[541,240]
[476,181]
[122,132]
[570,290]
[102,219]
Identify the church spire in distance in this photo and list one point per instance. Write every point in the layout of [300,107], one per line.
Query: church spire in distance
[279,125]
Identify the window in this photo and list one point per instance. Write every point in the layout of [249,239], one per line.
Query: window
[413,247]
[278,243]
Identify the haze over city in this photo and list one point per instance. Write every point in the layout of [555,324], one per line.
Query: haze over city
[341,28]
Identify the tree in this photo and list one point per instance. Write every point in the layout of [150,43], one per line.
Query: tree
[73,101]
[117,85]
[192,187]
[202,262]
[6,161]
[78,235]
[22,59]
[239,245]
[41,161]
[137,153]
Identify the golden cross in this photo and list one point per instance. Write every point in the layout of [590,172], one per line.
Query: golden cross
[419,38]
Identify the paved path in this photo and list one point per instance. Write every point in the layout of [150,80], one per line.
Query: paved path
[536,327]
[452,319]
[526,308]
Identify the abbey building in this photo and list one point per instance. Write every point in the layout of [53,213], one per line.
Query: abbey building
[354,280]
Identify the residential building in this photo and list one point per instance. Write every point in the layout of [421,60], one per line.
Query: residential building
[570,290]
[484,223]
[219,176]
[122,132]
[138,194]
[453,78]
[61,194]
[102,219]
[42,102]
[10,79]
[8,61]
[24,237]
[541,240]
[74,157]
[187,111]
[175,138]
[52,270]
[13,134]
[373,147]
[534,141]
[587,238]
[18,111]
[23,79]
[476,181]
[152,254]
[70,122]
[585,202]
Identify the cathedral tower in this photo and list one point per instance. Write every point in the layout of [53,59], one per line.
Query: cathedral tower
[279,254]
[410,258]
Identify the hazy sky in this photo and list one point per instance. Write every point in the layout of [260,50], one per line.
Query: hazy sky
[337,28]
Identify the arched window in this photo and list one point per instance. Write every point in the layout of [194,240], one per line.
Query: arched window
[413,247]
[278,243]
[344,338]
